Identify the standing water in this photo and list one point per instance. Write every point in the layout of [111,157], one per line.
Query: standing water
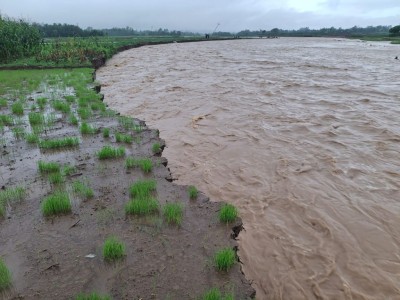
[302,135]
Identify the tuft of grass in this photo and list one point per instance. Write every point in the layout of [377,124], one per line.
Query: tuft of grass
[73,119]
[142,188]
[87,129]
[82,189]
[215,294]
[193,192]
[228,213]
[173,213]
[129,123]
[18,132]
[48,167]
[110,152]
[123,138]
[156,148]
[36,119]
[59,143]
[10,195]
[41,102]
[113,249]
[224,259]
[84,113]
[92,296]
[5,276]
[106,132]
[142,206]
[61,106]
[56,178]
[56,204]
[6,120]
[144,163]
[68,170]
[32,138]
[3,103]
[17,108]
[98,106]
[69,98]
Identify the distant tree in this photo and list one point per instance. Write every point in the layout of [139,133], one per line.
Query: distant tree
[395,31]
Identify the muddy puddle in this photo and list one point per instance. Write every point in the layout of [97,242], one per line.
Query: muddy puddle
[301,134]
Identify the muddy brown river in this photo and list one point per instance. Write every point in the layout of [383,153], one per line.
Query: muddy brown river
[302,135]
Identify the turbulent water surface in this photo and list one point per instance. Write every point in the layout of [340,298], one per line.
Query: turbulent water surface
[302,135]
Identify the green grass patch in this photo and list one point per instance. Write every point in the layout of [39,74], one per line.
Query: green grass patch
[193,192]
[3,103]
[68,170]
[17,108]
[18,132]
[142,206]
[123,138]
[215,294]
[144,163]
[36,118]
[87,129]
[41,102]
[56,178]
[6,120]
[84,113]
[92,296]
[48,167]
[228,213]
[32,138]
[70,98]
[73,119]
[156,148]
[59,143]
[224,259]
[106,132]
[5,276]
[56,204]
[95,106]
[108,152]
[113,249]
[10,195]
[61,106]
[142,188]
[173,213]
[82,190]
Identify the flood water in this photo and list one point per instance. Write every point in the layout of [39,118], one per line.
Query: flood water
[302,135]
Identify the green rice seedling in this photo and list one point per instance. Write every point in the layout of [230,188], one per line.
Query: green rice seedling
[10,195]
[18,132]
[69,98]
[173,213]
[228,213]
[3,103]
[142,188]
[224,259]
[32,138]
[48,167]
[50,120]
[87,129]
[41,102]
[5,276]
[106,132]
[69,170]
[215,294]
[123,138]
[110,152]
[59,143]
[142,206]
[83,103]
[92,296]
[17,108]
[144,163]
[61,106]
[131,162]
[73,119]
[98,106]
[84,113]
[37,129]
[193,192]
[56,178]
[113,249]
[7,120]
[56,204]
[36,119]
[156,148]
[82,190]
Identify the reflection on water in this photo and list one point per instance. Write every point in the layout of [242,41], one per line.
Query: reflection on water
[302,135]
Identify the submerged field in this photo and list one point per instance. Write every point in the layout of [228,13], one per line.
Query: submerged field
[87,204]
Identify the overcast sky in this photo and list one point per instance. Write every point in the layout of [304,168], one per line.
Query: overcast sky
[204,15]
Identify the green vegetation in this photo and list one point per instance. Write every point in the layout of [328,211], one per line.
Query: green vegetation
[10,195]
[110,152]
[73,119]
[395,30]
[129,124]
[3,103]
[56,204]
[82,190]
[5,276]
[193,192]
[69,99]
[173,213]
[87,129]
[17,108]
[56,178]
[113,249]
[92,296]
[215,294]
[59,143]
[36,118]
[18,132]
[144,163]
[32,138]
[228,213]
[61,106]
[106,132]
[123,138]
[6,120]
[156,148]
[224,259]
[142,188]
[84,113]
[142,206]
[41,102]
[68,170]
[48,167]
